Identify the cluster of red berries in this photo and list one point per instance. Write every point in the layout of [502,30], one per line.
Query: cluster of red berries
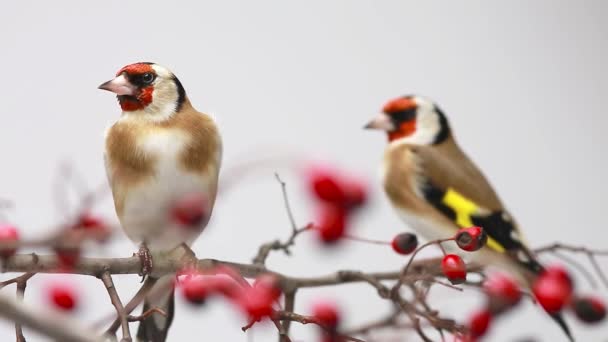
[256,300]
[339,196]
[554,291]
[468,239]
[86,225]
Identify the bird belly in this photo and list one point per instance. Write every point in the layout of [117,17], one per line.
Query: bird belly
[146,215]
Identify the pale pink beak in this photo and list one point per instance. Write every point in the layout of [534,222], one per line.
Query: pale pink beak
[381,122]
[119,85]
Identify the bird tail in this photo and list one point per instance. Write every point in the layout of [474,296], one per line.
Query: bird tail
[155,327]
[536,268]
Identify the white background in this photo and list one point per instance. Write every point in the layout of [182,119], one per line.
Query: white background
[523,83]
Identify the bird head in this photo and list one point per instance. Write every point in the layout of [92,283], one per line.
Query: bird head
[147,88]
[412,119]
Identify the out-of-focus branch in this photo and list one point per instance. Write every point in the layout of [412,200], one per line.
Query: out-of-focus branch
[57,327]
[106,278]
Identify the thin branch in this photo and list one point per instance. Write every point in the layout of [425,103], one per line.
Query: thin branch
[146,314]
[46,322]
[21,285]
[120,310]
[290,300]
[294,317]
[22,278]
[292,220]
[265,249]
[134,302]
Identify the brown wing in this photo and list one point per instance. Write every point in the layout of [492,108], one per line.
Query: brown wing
[446,166]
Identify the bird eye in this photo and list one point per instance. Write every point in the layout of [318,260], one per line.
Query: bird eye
[148,78]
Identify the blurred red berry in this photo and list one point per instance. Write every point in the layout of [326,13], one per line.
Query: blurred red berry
[559,272]
[257,302]
[589,309]
[331,224]
[471,239]
[325,184]
[331,187]
[94,225]
[63,296]
[552,290]
[194,288]
[404,243]
[327,314]
[67,257]
[503,289]
[479,323]
[454,269]
[270,283]
[355,194]
[8,234]
[190,210]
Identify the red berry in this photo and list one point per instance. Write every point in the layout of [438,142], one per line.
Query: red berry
[589,309]
[332,223]
[454,269]
[194,288]
[8,234]
[502,289]
[191,210]
[326,186]
[67,256]
[270,283]
[479,323]
[327,314]
[93,225]
[355,194]
[63,296]
[471,239]
[257,302]
[552,291]
[559,272]
[404,243]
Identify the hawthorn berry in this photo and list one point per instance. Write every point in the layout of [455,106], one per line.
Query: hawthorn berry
[63,296]
[479,323]
[93,225]
[471,239]
[331,223]
[327,314]
[502,290]
[404,243]
[355,194]
[195,289]
[552,290]
[589,309]
[67,256]
[331,187]
[190,210]
[325,184]
[560,273]
[257,302]
[454,269]
[8,234]
[269,283]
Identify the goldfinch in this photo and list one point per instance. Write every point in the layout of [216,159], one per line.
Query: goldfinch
[436,189]
[160,150]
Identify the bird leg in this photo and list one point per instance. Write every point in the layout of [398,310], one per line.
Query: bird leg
[146,261]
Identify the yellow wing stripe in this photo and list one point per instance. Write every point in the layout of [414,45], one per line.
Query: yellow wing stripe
[464,209]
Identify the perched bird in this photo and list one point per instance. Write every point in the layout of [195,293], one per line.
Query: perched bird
[436,189]
[159,151]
